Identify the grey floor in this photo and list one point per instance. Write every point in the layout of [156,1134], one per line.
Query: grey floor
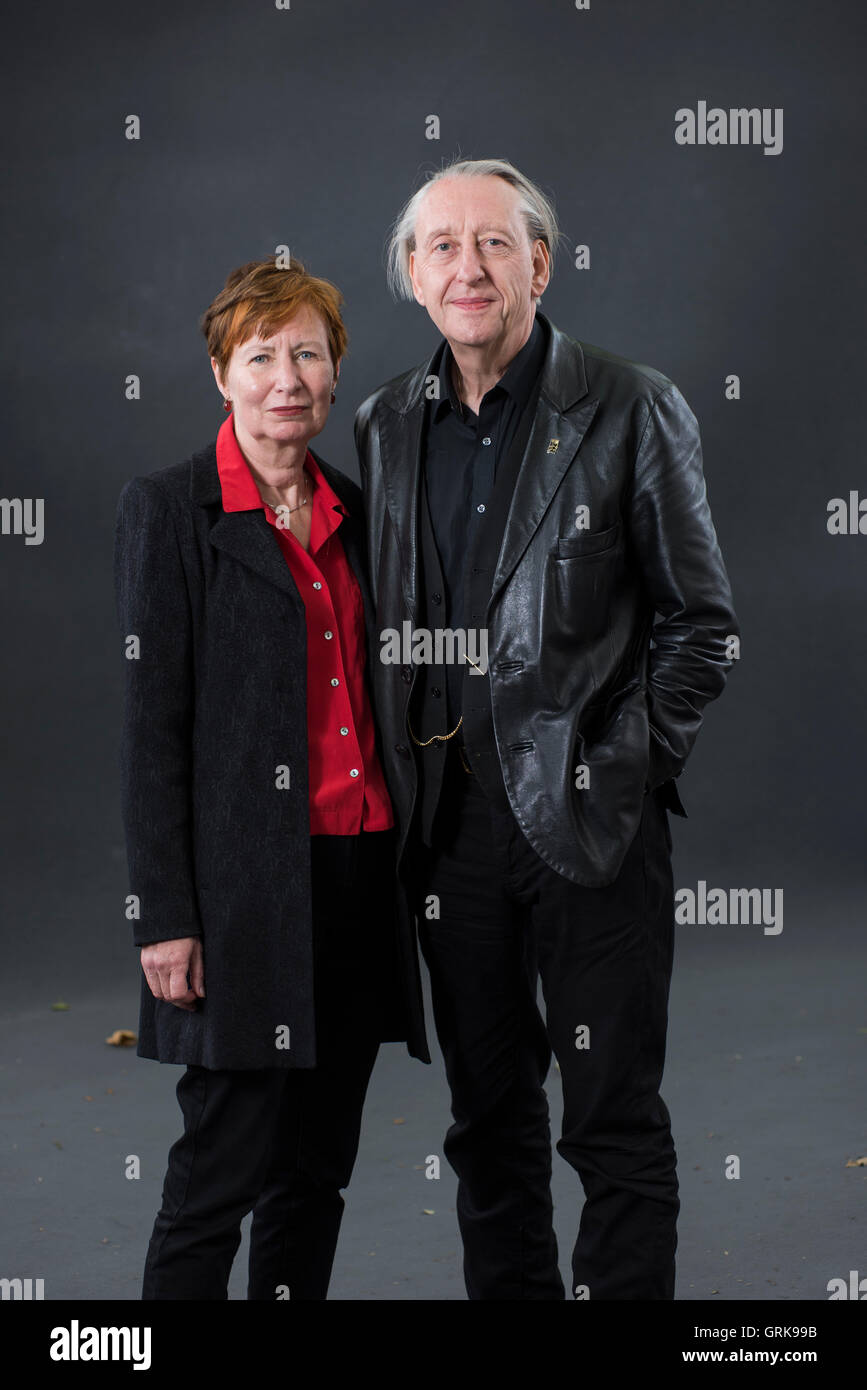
[766,1061]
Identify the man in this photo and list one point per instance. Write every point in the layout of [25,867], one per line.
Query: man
[545,499]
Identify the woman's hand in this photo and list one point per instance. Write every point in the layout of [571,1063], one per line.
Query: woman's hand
[167,966]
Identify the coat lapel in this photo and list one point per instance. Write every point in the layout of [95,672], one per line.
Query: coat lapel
[246,536]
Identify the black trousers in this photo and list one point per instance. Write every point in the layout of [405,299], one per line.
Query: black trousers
[604,956]
[278,1142]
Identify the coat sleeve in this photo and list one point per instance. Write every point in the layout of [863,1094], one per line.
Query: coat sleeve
[676,545]
[154,616]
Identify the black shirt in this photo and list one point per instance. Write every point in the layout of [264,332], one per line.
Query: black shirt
[461,457]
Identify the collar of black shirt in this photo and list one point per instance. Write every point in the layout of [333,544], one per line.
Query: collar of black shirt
[517,380]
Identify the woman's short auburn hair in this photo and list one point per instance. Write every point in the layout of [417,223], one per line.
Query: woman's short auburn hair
[260,297]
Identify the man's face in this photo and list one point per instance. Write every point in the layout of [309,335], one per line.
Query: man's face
[474,267]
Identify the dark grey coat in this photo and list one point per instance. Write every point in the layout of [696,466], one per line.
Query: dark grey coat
[215,706]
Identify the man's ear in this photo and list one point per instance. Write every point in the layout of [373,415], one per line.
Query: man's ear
[415,287]
[541,269]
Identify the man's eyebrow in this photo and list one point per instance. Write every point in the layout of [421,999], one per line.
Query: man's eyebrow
[443,231]
[483,231]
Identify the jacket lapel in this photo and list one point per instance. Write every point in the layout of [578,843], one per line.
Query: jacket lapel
[563,416]
[541,473]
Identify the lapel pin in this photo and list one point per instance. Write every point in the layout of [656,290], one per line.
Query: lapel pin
[553,446]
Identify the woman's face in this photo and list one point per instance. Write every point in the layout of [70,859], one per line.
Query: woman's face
[280,387]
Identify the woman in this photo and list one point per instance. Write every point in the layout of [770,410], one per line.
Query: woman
[259,829]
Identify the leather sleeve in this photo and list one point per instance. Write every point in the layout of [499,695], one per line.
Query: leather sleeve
[372,524]
[360,433]
[674,540]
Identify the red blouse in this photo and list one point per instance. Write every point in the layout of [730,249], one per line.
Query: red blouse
[347,787]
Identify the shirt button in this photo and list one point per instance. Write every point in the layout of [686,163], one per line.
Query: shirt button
[480,507]
[487,439]
[316,584]
[328,636]
[353,772]
[334,680]
[437,598]
[344,731]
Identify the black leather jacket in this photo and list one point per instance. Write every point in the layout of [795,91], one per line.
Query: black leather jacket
[580,675]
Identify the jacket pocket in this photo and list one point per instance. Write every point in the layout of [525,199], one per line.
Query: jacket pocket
[586,543]
[600,712]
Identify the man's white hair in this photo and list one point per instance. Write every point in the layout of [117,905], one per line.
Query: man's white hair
[539,215]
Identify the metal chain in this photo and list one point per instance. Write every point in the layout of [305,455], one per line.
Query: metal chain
[441,738]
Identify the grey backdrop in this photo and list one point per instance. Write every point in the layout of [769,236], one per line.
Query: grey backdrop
[307,127]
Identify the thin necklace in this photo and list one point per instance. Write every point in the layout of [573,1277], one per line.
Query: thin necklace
[287,509]
[290,510]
